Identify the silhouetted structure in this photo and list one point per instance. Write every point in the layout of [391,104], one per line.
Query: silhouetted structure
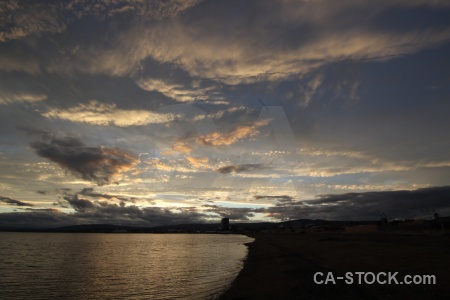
[225,224]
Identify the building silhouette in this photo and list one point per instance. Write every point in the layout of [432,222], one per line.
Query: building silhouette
[225,224]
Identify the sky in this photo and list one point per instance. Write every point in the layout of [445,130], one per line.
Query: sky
[152,113]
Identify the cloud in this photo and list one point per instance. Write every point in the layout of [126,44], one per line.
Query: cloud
[181,146]
[180,165]
[283,199]
[79,205]
[161,166]
[334,152]
[122,213]
[97,113]
[234,213]
[239,168]
[240,132]
[42,209]
[14,202]
[149,10]
[184,145]
[225,113]
[288,39]
[333,162]
[147,215]
[198,162]
[327,51]
[349,206]
[311,90]
[364,206]
[177,92]
[131,215]
[37,219]
[89,192]
[97,164]
[20,19]
[30,22]
[8,98]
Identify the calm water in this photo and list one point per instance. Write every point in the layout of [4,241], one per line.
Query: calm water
[118,266]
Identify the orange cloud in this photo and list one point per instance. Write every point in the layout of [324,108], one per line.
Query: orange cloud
[180,146]
[163,167]
[218,139]
[198,162]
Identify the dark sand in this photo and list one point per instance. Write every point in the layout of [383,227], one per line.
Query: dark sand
[282,265]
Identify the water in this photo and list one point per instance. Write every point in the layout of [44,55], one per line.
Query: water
[118,266]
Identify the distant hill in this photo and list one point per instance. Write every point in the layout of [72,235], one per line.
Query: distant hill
[206,227]
[201,227]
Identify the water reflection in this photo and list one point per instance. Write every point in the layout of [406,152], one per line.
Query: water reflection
[105,266]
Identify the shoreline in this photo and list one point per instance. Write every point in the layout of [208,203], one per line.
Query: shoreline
[282,266]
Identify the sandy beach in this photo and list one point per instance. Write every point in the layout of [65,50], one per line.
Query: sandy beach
[282,266]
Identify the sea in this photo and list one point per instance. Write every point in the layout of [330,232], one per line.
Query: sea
[118,266]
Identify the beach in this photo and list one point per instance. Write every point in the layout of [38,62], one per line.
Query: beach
[282,266]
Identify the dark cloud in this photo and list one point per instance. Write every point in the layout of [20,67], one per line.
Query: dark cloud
[97,210]
[350,206]
[14,202]
[370,205]
[90,193]
[98,164]
[425,196]
[234,213]
[38,219]
[88,200]
[42,192]
[239,168]
[42,209]
[80,205]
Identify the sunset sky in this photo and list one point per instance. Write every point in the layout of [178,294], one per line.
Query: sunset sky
[165,112]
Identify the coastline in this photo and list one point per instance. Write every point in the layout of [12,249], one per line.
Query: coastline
[282,266]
